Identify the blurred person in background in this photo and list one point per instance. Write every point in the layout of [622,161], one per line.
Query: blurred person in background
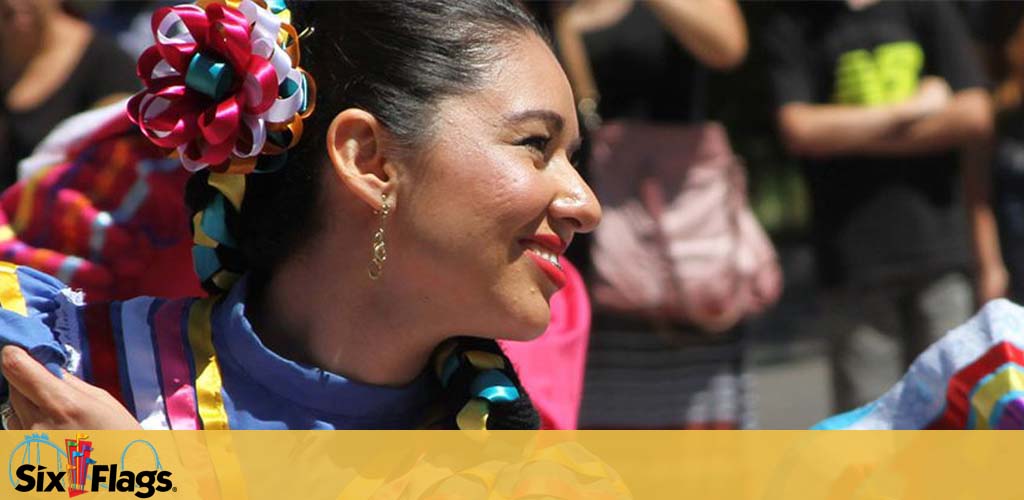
[998,29]
[650,64]
[886,105]
[52,65]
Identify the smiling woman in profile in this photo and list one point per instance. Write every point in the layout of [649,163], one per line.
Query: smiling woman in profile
[361,258]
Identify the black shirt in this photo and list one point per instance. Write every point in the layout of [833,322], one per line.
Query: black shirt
[877,219]
[643,73]
[103,70]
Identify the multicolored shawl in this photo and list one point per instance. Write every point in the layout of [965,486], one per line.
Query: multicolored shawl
[971,379]
[107,216]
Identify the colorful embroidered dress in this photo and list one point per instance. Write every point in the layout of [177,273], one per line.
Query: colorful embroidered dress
[971,379]
[191,363]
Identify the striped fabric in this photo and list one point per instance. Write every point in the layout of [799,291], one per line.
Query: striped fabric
[638,379]
[143,351]
[166,341]
[971,379]
[190,364]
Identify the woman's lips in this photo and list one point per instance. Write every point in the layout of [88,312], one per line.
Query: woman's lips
[549,242]
[552,270]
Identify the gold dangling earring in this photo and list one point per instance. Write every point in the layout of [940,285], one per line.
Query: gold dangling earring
[380,252]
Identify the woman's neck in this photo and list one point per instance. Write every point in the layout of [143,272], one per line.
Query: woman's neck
[321,308]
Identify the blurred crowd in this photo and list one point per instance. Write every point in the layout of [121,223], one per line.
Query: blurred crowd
[885,136]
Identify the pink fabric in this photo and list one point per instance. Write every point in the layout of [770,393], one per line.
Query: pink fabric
[551,367]
[179,395]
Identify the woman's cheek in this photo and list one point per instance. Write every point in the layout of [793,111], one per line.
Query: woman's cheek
[519,193]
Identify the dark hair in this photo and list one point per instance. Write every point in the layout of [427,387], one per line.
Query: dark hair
[395,60]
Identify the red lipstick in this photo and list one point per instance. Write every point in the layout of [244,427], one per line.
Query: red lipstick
[553,272]
[551,244]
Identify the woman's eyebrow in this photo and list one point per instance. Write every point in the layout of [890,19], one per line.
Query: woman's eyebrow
[553,120]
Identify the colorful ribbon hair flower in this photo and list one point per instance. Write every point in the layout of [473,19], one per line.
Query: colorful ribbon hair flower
[223,88]
[223,84]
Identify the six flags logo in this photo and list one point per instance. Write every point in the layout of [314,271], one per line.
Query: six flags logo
[82,473]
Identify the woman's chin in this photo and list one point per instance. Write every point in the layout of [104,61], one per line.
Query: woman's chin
[530,326]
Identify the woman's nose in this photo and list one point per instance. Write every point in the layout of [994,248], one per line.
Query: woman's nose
[576,203]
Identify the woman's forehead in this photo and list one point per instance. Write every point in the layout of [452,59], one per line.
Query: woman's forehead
[527,84]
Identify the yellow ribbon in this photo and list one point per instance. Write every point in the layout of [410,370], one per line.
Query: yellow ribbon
[208,379]
[473,416]
[483,360]
[231,186]
[10,290]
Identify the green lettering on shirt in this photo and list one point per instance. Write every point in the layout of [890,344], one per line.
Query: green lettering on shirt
[888,74]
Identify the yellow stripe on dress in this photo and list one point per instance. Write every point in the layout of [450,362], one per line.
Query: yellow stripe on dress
[23,214]
[208,380]
[11,297]
[229,478]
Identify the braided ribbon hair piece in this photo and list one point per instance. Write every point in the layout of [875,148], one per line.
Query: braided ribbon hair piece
[477,369]
[224,92]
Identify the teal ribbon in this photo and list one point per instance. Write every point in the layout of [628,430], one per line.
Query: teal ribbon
[305,94]
[276,6]
[495,387]
[287,88]
[214,222]
[209,76]
[205,261]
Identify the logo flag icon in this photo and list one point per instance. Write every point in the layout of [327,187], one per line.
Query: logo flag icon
[79,451]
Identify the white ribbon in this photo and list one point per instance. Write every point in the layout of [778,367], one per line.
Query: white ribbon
[258,130]
[163,69]
[265,24]
[190,164]
[265,27]
[284,109]
[170,21]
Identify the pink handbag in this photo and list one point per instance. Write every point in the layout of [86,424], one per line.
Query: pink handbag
[678,240]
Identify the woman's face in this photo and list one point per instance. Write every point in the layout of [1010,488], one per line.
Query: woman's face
[488,205]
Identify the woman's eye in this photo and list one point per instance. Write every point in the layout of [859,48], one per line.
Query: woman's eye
[538,143]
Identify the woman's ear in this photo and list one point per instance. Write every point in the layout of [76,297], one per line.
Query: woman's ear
[356,145]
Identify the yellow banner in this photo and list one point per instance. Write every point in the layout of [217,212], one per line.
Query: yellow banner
[439,465]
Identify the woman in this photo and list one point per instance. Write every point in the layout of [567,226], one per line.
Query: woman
[429,198]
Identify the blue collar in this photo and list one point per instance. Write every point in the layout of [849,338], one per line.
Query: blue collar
[306,385]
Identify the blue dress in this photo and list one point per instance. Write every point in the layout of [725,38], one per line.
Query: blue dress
[191,363]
